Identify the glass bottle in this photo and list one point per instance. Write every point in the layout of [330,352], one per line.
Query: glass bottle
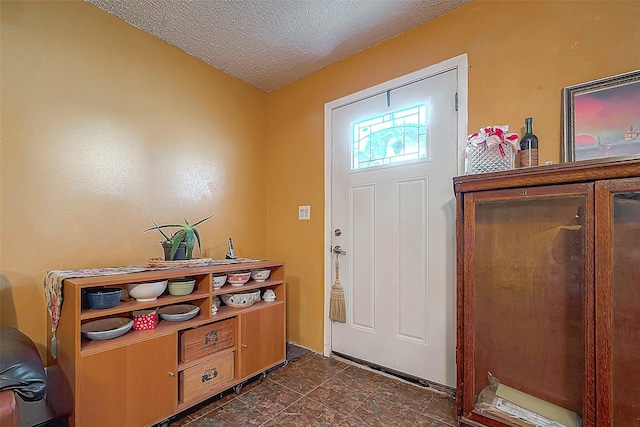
[528,145]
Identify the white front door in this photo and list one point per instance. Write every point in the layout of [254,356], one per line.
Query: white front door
[393,157]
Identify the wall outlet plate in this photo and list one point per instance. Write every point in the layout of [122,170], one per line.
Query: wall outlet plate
[304,212]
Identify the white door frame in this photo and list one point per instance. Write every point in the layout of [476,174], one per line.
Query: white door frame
[461,64]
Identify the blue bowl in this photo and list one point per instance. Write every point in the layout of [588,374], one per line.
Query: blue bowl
[103,297]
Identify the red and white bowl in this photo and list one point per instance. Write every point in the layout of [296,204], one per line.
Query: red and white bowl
[238,278]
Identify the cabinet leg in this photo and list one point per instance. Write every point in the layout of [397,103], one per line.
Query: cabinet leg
[238,388]
[263,375]
[164,423]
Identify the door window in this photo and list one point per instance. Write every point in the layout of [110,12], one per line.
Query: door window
[394,137]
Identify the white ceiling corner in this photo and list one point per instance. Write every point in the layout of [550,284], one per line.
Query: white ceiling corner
[271,43]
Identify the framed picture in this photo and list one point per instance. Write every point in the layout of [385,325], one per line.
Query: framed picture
[602,118]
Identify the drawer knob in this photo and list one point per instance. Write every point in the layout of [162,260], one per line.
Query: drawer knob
[171,374]
[244,346]
[209,374]
[211,338]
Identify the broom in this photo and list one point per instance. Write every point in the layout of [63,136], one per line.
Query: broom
[337,310]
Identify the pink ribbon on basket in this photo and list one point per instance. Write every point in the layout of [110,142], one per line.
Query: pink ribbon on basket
[492,137]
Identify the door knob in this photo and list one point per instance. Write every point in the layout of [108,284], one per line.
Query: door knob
[338,250]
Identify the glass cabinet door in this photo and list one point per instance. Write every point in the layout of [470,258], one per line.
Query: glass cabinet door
[527,260]
[618,299]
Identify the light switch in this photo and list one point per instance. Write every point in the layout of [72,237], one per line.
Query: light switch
[304,212]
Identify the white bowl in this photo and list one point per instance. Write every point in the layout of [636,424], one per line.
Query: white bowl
[239,278]
[149,291]
[219,281]
[269,295]
[239,300]
[260,275]
[105,329]
[178,312]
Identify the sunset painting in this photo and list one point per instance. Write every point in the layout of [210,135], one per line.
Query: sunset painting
[607,122]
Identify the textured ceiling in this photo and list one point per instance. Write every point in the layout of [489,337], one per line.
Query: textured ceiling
[271,43]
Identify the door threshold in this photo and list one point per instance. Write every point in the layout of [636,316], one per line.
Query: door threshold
[420,382]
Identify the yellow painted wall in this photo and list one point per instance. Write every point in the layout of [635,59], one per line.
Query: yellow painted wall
[104,127]
[521,54]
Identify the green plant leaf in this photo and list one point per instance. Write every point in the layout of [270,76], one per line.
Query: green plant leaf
[176,239]
[197,233]
[187,233]
[203,220]
[190,242]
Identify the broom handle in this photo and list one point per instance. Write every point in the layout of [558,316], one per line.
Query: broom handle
[337,268]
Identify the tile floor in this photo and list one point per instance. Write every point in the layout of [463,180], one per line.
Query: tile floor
[313,390]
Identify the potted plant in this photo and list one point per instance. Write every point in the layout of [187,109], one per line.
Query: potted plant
[187,235]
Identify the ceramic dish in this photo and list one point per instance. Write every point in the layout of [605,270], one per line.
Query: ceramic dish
[239,278]
[242,299]
[269,295]
[148,291]
[103,297]
[219,281]
[181,286]
[105,329]
[260,275]
[178,312]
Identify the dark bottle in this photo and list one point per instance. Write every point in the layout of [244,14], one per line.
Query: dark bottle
[528,145]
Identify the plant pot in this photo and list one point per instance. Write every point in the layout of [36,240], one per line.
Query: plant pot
[181,253]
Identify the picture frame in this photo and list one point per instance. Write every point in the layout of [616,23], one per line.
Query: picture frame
[601,118]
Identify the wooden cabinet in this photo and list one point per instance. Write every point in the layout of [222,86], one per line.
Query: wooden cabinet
[618,303]
[548,290]
[143,377]
[145,390]
[262,340]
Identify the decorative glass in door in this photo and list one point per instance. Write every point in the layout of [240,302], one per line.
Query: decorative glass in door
[398,136]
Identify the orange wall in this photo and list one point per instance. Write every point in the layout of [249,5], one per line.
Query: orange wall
[105,127]
[521,54]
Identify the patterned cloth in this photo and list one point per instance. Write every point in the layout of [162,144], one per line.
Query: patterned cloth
[54,278]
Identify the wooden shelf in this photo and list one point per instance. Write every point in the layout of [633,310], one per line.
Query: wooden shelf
[251,284]
[108,373]
[164,328]
[132,305]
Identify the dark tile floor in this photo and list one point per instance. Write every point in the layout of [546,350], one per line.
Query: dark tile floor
[313,390]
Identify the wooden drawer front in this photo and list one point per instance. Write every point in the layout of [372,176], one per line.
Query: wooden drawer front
[200,380]
[207,339]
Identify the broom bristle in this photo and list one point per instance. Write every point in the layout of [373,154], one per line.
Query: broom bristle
[337,310]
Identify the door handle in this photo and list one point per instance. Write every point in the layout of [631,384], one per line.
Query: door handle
[338,250]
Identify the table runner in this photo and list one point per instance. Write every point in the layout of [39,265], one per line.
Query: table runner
[54,278]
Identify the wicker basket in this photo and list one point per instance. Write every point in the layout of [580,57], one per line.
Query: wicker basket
[160,262]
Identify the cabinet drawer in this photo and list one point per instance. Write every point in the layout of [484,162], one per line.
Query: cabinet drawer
[199,381]
[206,340]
